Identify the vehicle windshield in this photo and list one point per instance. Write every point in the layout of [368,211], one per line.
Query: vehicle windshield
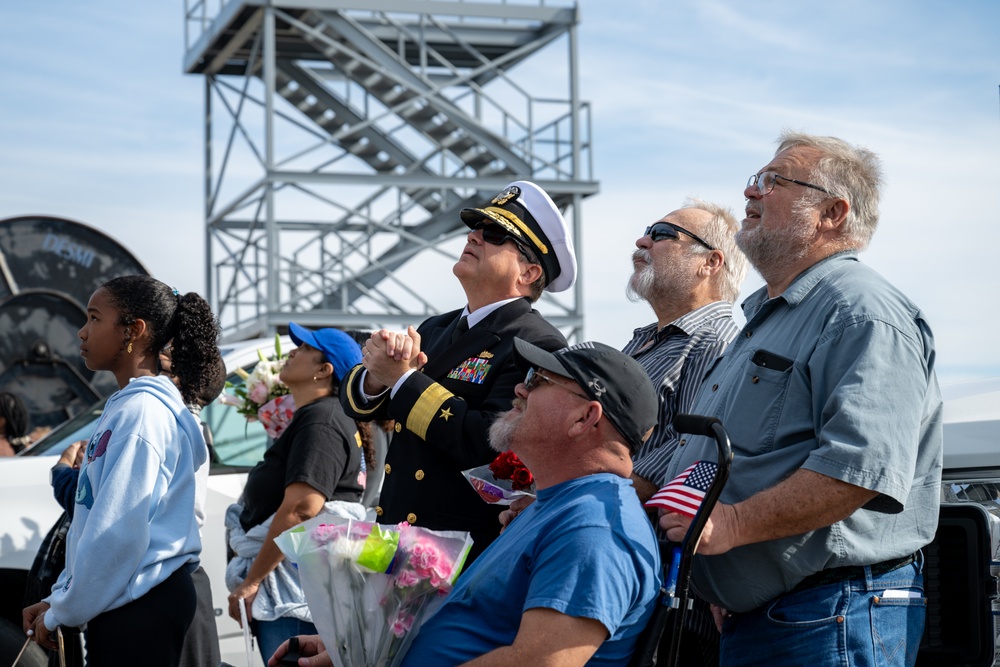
[78,427]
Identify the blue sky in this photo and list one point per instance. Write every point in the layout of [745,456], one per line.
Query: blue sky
[99,124]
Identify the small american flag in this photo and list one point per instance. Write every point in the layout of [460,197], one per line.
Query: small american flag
[686,491]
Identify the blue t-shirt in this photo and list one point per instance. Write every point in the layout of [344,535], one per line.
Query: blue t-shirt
[585,548]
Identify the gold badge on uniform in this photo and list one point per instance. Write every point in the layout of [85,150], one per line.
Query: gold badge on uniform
[512,192]
[485,354]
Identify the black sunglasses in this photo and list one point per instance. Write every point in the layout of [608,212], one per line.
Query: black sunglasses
[658,231]
[497,235]
[534,377]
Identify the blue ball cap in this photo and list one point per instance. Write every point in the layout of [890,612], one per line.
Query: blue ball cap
[339,349]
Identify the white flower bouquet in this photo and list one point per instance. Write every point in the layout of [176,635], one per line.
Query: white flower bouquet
[263,396]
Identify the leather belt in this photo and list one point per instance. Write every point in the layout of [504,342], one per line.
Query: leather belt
[835,575]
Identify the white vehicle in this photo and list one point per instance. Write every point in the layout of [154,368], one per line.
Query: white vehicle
[29,509]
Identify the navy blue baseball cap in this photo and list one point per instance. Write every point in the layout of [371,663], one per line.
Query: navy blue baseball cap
[608,376]
[339,349]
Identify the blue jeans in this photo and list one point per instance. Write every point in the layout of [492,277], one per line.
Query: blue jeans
[271,634]
[846,624]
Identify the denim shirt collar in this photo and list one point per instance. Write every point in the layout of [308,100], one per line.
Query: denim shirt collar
[801,286]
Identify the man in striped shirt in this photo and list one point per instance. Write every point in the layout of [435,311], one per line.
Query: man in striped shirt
[689,270]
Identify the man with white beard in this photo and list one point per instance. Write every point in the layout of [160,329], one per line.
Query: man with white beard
[574,578]
[689,270]
[830,399]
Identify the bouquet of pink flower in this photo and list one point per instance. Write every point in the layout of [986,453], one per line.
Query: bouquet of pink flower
[369,586]
[263,396]
[276,414]
[502,481]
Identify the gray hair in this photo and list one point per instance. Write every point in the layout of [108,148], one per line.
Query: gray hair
[720,232]
[851,172]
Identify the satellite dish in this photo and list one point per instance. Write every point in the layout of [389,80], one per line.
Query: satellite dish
[40,360]
[49,267]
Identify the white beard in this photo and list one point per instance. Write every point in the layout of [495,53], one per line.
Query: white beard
[502,431]
[640,284]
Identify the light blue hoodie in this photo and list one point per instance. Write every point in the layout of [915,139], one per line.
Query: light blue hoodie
[134,522]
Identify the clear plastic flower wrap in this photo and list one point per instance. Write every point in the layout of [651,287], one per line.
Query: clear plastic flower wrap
[369,586]
[502,481]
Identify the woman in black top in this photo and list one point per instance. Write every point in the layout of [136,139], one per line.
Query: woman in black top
[315,460]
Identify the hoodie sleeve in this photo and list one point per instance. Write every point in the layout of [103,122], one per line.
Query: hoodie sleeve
[115,494]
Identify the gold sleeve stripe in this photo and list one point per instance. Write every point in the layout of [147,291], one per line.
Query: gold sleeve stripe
[523,227]
[350,385]
[425,408]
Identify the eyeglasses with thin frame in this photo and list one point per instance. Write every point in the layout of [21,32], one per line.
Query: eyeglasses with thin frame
[534,376]
[497,235]
[658,231]
[764,182]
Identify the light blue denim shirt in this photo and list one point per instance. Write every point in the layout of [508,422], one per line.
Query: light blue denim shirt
[835,375]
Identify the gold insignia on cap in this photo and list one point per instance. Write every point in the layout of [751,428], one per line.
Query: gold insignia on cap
[485,354]
[512,192]
[445,414]
[501,221]
[411,518]
[493,212]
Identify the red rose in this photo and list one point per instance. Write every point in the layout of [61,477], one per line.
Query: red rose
[504,465]
[522,479]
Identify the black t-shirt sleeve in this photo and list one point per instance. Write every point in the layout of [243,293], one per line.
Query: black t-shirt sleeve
[318,457]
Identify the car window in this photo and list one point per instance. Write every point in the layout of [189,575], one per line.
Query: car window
[238,443]
[80,427]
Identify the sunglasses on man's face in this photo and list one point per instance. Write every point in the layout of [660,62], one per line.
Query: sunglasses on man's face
[660,231]
[535,377]
[497,235]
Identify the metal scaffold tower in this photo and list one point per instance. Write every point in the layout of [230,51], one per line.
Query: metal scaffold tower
[343,137]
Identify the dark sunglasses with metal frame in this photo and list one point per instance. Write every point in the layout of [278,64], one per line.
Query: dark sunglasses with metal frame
[764,182]
[497,235]
[659,231]
[534,376]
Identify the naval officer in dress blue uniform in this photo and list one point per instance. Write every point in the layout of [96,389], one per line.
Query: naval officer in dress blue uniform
[446,381]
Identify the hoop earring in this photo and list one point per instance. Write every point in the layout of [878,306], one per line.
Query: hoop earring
[129,350]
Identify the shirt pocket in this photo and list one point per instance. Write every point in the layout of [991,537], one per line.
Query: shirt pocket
[756,404]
